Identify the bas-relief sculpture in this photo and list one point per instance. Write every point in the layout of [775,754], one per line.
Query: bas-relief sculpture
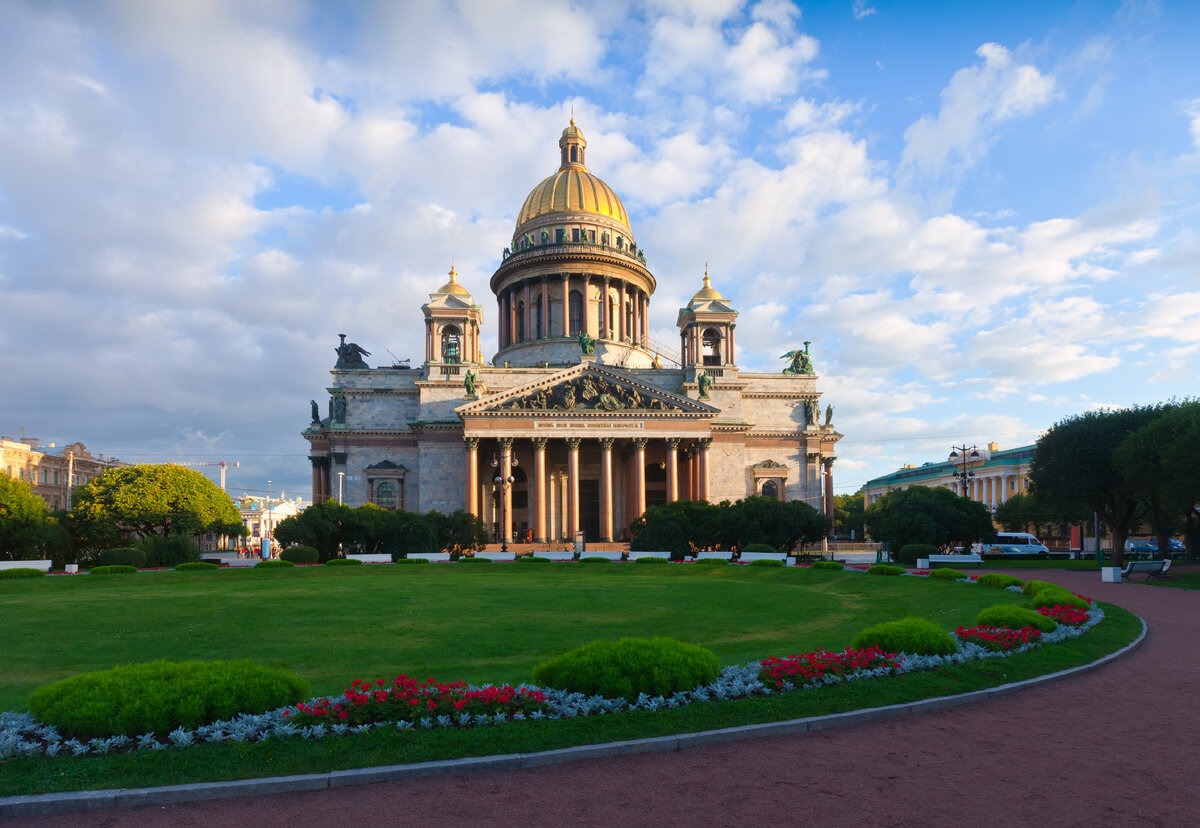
[587,393]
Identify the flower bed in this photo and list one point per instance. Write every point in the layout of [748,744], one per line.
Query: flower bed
[1066,614]
[1001,639]
[370,702]
[805,668]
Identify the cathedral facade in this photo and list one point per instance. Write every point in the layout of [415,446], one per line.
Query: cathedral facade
[580,421]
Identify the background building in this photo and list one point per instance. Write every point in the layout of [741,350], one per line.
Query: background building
[991,477]
[590,418]
[51,470]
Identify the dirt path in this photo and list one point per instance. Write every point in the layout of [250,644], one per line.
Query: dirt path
[1060,755]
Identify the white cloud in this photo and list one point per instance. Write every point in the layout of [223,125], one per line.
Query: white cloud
[1192,110]
[860,9]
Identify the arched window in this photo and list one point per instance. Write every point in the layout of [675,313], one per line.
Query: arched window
[520,321]
[770,489]
[537,318]
[574,153]
[386,495]
[576,317]
[451,344]
[712,347]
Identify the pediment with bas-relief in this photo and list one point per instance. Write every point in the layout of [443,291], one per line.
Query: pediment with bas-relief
[587,389]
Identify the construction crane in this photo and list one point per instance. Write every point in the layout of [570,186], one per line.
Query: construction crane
[220,463]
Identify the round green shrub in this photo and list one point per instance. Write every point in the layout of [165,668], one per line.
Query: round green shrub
[23,572]
[160,696]
[630,666]
[909,553]
[828,564]
[300,555]
[473,560]
[408,560]
[997,581]
[1032,588]
[279,564]
[885,569]
[113,569]
[595,559]
[528,559]
[766,563]
[946,574]
[121,556]
[1014,618]
[1048,597]
[663,561]
[350,562]
[712,562]
[915,636]
[195,566]
[168,550]
[759,548]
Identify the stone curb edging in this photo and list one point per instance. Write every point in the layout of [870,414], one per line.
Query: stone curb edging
[61,803]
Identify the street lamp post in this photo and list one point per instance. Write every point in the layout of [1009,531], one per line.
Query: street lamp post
[501,485]
[963,456]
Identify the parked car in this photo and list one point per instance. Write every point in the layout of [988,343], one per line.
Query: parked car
[1016,543]
[1147,548]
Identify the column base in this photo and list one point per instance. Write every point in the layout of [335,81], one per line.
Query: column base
[539,540]
[606,540]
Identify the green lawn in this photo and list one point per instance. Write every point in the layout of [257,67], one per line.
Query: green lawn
[481,623]
[486,622]
[1179,580]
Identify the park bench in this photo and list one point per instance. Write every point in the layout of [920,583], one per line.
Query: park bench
[700,556]
[42,565]
[611,554]
[497,556]
[371,558]
[1153,569]
[952,559]
[633,556]
[747,557]
[432,557]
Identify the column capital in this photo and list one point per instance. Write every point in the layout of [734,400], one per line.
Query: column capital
[471,442]
[827,462]
[704,443]
[639,443]
[539,443]
[573,442]
[505,443]
[672,442]
[606,443]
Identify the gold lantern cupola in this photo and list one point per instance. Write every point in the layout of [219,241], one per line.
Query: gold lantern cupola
[707,292]
[453,286]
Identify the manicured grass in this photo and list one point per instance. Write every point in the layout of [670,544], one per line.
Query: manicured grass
[278,758]
[1180,580]
[477,624]
[1030,564]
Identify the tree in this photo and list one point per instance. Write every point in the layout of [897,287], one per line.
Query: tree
[848,511]
[155,500]
[459,532]
[326,526]
[1026,512]
[1074,468]
[933,516]
[24,532]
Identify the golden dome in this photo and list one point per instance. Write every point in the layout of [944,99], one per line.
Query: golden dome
[573,189]
[706,292]
[453,286]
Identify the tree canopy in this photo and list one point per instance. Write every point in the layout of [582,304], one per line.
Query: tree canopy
[933,516]
[848,514]
[155,500]
[333,528]
[687,526]
[23,521]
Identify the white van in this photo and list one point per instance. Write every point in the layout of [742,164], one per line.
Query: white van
[1017,543]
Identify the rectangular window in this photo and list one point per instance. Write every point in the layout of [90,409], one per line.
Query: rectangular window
[42,476]
[574,234]
[592,236]
[56,478]
[559,234]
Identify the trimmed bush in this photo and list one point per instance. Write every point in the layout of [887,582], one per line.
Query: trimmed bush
[885,569]
[121,556]
[398,560]
[21,573]
[1050,596]
[113,569]
[915,636]
[1014,618]
[160,696]
[300,555]
[473,560]
[596,559]
[909,553]
[946,574]
[168,550]
[759,548]
[350,562]
[828,565]
[711,562]
[1032,588]
[652,561]
[279,564]
[766,563]
[997,581]
[528,559]
[195,566]
[629,667]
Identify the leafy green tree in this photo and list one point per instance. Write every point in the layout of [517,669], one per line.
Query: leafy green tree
[1027,513]
[24,532]
[933,516]
[686,526]
[848,514]
[326,526]
[1074,469]
[459,532]
[155,500]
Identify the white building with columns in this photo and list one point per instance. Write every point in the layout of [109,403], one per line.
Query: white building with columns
[591,419]
[992,476]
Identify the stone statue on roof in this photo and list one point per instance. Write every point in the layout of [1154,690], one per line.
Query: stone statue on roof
[801,361]
[350,354]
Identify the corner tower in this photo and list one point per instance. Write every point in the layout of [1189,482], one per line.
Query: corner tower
[573,268]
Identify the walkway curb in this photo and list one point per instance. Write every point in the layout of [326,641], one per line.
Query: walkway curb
[62,803]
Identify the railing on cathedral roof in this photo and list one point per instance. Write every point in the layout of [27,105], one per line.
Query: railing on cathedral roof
[558,248]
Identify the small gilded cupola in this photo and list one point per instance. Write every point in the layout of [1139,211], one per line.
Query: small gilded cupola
[706,328]
[573,146]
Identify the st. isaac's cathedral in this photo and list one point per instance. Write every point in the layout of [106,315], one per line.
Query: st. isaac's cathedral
[591,419]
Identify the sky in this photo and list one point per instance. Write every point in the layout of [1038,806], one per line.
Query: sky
[982,215]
